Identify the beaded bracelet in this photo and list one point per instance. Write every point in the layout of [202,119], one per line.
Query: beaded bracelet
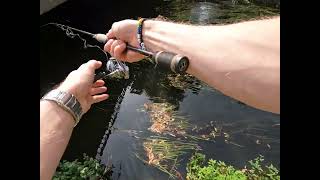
[139,33]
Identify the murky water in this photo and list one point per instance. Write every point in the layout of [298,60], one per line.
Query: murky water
[114,131]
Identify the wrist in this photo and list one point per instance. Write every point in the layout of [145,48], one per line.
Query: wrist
[67,101]
[153,35]
[69,89]
[59,118]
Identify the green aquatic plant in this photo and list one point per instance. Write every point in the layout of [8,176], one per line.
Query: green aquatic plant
[258,172]
[197,169]
[87,168]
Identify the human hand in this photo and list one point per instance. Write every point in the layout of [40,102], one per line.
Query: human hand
[80,84]
[123,32]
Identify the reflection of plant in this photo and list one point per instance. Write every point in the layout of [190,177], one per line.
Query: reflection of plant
[144,81]
[88,168]
[197,170]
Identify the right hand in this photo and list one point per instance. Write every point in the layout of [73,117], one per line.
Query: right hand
[123,32]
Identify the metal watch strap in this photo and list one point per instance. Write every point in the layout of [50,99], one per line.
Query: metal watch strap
[67,101]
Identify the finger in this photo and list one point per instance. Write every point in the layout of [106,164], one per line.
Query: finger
[113,45]
[107,46]
[98,83]
[98,90]
[110,34]
[99,98]
[119,50]
[114,30]
[93,65]
[131,56]
[90,66]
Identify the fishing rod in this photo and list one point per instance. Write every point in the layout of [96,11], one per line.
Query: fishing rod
[175,62]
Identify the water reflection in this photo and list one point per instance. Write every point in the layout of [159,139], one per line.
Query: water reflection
[155,84]
[204,13]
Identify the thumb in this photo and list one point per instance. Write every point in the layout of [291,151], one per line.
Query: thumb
[92,65]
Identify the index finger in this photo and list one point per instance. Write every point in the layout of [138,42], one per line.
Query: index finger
[114,29]
[110,34]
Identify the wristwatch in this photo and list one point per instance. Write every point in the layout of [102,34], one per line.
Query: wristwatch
[67,101]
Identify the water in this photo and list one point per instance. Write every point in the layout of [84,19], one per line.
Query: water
[252,132]
[244,124]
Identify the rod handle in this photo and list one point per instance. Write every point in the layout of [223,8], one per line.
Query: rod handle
[175,62]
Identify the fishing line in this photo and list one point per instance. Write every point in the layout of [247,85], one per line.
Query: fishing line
[72,35]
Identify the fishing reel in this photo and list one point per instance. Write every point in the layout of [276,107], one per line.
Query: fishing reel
[117,69]
[113,69]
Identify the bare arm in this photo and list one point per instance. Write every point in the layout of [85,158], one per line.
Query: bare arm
[55,130]
[241,60]
[56,124]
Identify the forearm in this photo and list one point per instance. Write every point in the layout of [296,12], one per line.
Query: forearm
[56,127]
[241,60]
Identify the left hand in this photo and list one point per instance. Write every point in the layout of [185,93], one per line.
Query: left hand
[80,84]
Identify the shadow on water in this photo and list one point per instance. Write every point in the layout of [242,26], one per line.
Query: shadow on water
[115,130]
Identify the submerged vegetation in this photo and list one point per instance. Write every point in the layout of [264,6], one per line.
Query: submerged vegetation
[164,153]
[175,137]
[164,120]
